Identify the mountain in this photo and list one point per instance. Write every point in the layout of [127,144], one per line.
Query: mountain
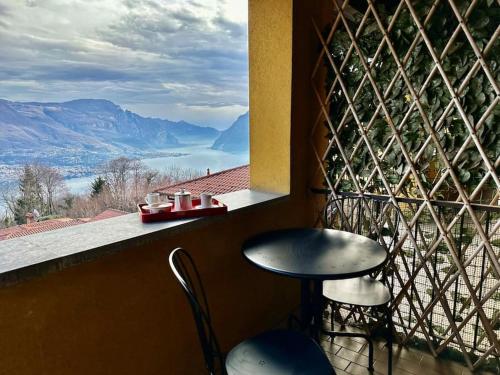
[190,133]
[91,124]
[236,137]
[29,128]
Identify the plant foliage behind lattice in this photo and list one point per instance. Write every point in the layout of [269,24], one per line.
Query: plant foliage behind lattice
[411,107]
[477,97]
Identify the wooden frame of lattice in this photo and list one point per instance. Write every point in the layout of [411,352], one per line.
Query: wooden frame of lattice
[408,293]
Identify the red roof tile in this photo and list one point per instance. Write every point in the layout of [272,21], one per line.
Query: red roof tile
[53,224]
[218,183]
[108,214]
[38,227]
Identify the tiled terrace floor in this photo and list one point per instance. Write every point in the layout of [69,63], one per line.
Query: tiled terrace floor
[350,356]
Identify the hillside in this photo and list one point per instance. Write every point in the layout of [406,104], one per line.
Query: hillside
[91,124]
[235,138]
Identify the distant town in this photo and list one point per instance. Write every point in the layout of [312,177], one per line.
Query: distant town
[118,154]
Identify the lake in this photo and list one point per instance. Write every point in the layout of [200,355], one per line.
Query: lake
[199,157]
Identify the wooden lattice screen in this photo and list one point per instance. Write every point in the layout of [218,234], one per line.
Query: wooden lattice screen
[391,135]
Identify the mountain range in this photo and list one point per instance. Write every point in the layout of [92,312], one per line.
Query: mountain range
[235,138]
[93,125]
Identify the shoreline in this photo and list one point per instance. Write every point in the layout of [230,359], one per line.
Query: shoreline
[198,157]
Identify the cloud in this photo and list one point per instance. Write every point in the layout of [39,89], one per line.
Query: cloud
[186,17]
[4,10]
[235,30]
[165,58]
[81,72]
[4,15]
[19,83]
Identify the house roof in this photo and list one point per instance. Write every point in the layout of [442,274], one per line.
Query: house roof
[108,214]
[53,224]
[218,183]
[38,227]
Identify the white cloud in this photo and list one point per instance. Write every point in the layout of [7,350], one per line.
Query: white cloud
[153,55]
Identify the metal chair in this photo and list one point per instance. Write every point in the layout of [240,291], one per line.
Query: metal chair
[270,353]
[377,219]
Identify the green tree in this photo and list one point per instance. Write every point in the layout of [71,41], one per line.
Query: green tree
[97,186]
[30,196]
[6,221]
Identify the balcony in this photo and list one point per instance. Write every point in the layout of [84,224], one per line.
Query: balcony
[99,298]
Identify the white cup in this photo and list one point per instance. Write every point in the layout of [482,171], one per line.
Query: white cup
[153,199]
[206,200]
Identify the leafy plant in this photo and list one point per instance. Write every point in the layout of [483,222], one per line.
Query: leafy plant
[457,61]
[440,330]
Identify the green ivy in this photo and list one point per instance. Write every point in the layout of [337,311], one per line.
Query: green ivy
[475,98]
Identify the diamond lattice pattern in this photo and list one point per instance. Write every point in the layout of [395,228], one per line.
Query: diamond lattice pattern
[409,102]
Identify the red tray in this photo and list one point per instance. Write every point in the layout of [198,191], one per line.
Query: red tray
[217,208]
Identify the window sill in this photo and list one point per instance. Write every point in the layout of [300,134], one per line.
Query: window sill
[27,257]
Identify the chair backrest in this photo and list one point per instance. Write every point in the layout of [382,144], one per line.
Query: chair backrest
[187,274]
[369,216]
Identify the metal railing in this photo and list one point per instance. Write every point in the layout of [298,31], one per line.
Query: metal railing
[419,308]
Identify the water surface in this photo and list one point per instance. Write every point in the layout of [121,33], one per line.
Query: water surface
[199,158]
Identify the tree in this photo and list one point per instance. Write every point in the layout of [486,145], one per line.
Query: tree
[6,221]
[40,188]
[150,176]
[67,203]
[116,173]
[127,181]
[97,186]
[51,183]
[138,169]
[30,196]
[122,184]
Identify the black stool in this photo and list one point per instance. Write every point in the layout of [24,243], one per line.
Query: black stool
[376,218]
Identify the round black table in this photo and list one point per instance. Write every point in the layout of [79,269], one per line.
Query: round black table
[314,255]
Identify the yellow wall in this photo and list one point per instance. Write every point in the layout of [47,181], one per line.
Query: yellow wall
[270,70]
[124,314]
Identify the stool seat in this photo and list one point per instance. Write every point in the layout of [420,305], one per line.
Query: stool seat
[278,352]
[360,291]
[376,217]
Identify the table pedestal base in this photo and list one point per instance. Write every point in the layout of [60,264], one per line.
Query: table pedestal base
[311,306]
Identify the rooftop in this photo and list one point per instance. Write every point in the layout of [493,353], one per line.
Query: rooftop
[37,227]
[108,214]
[218,183]
[226,181]
[53,224]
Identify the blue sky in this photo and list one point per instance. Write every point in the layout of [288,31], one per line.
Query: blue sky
[175,59]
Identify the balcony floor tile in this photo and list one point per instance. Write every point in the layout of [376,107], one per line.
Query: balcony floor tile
[349,356]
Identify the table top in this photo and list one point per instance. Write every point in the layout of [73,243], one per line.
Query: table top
[324,254]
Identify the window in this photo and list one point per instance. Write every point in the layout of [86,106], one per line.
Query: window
[102,102]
